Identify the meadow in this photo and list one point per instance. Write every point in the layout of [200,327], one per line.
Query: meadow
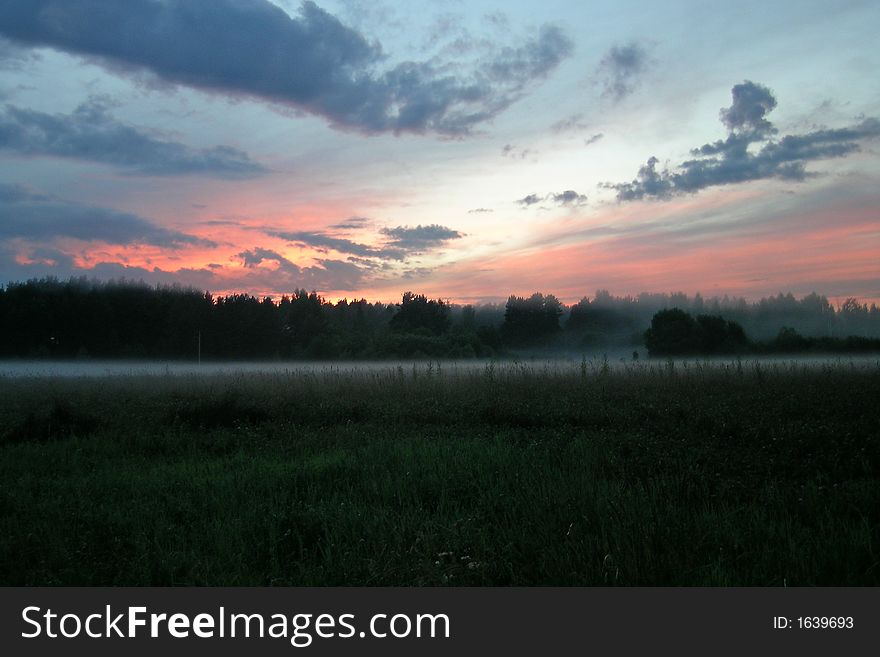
[581,473]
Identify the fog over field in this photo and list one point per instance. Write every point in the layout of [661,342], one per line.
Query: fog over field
[592,363]
[565,472]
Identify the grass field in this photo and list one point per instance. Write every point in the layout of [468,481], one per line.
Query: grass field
[656,474]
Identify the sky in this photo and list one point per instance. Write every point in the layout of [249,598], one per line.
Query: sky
[463,150]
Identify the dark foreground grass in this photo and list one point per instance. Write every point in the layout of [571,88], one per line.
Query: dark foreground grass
[720,475]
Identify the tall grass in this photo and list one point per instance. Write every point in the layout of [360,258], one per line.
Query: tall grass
[507,474]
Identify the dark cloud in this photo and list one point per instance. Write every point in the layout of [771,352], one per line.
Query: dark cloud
[751,104]
[533,60]
[593,139]
[531,199]
[326,275]
[221,222]
[333,274]
[511,151]
[257,255]
[730,160]
[397,244]
[622,68]
[369,264]
[91,133]
[31,216]
[480,210]
[821,144]
[420,238]
[320,240]
[568,198]
[415,273]
[311,62]
[352,223]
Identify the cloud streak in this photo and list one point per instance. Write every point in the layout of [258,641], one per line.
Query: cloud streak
[569,198]
[322,241]
[31,216]
[311,61]
[730,161]
[420,238]
[396,243]
[90,133]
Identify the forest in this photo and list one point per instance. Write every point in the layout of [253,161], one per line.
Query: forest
[81,318]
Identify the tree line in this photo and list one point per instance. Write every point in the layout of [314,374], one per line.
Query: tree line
[674,332]
[78,318]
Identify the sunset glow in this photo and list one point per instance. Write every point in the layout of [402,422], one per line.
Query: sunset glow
[465,151]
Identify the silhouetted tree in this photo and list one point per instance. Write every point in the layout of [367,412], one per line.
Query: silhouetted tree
[720,336]
[789,341]
[531,320]
[417,313]
[602,319]
[673,332]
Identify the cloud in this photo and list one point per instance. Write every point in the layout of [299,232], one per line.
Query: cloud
[257,255]
[568,198]
[396,243]
[324,241]
[751,103]
[310,61]
[31,216]
[511,151]
[621,69]
[531,199]
[730,161]
[91,133]
[420,238]
[221,222]
[593,139]
[326,275]
[480,210]
[352,223]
